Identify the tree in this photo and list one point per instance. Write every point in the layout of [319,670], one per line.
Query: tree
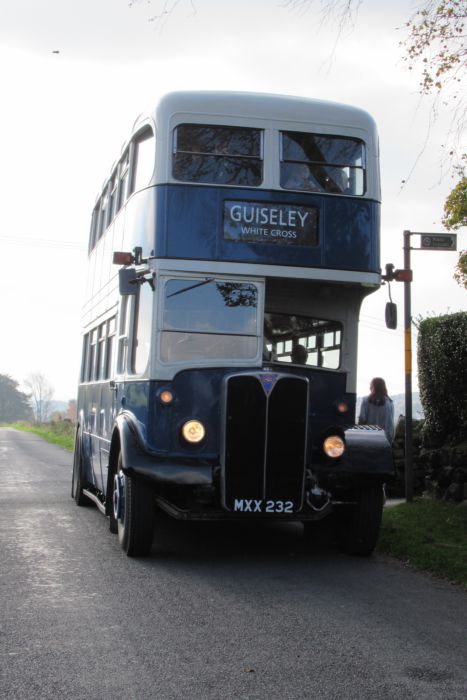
[41,395]
[437,39]
[72,412]
[14,404]
[455,217]
[436,42]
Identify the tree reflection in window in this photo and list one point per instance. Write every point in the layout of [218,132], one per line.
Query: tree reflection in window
[313,162]
[211,306]
[238,294]
[209,319]
[218,155]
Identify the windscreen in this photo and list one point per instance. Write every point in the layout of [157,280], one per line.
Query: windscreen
[209,319]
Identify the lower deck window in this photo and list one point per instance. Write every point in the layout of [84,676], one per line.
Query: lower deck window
[302,340]
[98,352]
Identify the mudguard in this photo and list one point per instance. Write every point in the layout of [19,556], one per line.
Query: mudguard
[83,442]
[140,460]
[368,454]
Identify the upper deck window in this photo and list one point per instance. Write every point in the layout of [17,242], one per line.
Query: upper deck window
[143,160]
[316,163]
[220,155]
[123,172]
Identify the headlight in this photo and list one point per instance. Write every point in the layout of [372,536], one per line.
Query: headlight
[193,431]
[334,446]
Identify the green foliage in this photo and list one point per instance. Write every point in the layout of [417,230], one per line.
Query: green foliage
[59,433]
[455,217]
[437,39]
[430,535]
[460,275]
[442,371]
[455,207]
[14,404]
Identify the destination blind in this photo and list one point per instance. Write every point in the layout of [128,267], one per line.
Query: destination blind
[259,222]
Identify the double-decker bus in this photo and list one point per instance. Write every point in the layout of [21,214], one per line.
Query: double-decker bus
[230,250]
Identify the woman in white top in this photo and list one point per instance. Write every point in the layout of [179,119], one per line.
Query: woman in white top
[377,408]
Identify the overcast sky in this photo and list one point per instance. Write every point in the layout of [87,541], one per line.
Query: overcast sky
[65,116]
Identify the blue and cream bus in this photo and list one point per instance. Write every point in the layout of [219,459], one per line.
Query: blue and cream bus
[230,250]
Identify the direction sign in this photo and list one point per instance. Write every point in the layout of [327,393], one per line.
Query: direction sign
[438,241]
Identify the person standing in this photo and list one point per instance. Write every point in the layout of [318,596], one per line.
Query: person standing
[377,408]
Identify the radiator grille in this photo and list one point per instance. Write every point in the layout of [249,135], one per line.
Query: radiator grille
[265,439]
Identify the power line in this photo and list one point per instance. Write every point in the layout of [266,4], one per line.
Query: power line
[43,243]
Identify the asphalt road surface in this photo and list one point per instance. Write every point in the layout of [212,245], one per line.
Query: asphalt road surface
[230,611]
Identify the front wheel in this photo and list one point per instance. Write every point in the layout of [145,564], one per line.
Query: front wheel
[133,512]
[358,526]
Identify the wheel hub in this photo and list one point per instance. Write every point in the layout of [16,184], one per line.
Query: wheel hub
[118,496]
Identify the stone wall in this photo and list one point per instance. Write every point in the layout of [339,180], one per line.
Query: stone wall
[440,471]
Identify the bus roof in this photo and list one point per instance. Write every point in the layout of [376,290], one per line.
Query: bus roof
[261,106]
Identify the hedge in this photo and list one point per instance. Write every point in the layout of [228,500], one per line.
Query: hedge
[442,374]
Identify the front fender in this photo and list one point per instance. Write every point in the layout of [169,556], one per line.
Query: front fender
[368,451]
[368,456]
[138,459]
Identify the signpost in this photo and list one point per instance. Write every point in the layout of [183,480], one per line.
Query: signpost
[428,241]
[438,241]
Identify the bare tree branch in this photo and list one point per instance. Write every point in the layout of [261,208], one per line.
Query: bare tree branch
[41,395]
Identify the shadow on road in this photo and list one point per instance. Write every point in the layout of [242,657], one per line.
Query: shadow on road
[256,541]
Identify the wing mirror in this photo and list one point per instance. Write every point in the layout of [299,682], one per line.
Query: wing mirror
[391,315]
[127,281]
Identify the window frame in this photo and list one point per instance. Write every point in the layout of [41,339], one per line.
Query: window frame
[314,165]
[206,360]
[291,339]
[98,351]
[144,134]
[260,157]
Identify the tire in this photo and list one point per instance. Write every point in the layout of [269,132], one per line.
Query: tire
[113,522]
[358,527]
[134,510]
[78,481]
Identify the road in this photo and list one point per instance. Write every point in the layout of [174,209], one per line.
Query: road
[216,612]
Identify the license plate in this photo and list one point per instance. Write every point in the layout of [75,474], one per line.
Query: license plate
[251,505]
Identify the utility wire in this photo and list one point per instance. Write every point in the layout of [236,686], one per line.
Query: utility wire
[42,242]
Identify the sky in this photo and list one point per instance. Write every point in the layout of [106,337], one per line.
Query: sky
[65,116]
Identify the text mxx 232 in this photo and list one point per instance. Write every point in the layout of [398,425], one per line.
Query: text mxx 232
[251,505]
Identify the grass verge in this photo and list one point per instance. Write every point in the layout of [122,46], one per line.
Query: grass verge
[59,433]
[429,535]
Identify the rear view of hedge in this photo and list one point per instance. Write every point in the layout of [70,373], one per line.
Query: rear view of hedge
[442,370]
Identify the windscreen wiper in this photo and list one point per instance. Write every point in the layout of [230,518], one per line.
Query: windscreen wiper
[192,286]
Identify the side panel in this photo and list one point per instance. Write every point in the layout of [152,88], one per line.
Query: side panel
[190,224]
[95,407]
